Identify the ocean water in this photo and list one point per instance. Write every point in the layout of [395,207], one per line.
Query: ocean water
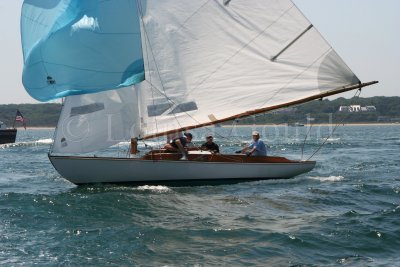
[346,212]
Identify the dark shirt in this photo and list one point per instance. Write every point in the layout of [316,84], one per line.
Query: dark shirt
[182,139]
[210,147]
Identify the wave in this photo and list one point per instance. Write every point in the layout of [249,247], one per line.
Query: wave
[391,139]
[154,188]
[333,139]
[39,142]
[327,179]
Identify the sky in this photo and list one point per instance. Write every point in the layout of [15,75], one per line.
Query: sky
[365,33]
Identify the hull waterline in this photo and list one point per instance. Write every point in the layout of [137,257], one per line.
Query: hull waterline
[86,170]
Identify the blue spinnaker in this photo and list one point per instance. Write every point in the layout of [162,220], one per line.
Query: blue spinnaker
[79,47]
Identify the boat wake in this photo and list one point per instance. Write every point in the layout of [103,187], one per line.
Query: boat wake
[328,179]
[154,188]
[39,142]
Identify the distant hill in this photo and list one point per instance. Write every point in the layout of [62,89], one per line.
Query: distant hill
[37,115]
[326,111]
[387,110]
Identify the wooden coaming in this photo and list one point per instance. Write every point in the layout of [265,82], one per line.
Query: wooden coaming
[158,155]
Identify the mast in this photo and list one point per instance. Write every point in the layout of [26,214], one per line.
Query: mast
[267,109]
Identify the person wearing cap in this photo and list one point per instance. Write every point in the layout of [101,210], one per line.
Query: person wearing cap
[209,145]
[179,143]
[256,148]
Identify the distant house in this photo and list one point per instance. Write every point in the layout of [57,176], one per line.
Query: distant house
[344,109]
[357,108]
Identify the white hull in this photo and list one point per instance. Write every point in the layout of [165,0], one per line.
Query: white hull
[82,170]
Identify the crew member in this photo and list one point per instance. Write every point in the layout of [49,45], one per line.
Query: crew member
[209,145]
[256,148]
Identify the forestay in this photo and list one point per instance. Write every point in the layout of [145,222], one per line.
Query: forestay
[77,47]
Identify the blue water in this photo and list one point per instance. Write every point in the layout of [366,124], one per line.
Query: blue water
[345,212]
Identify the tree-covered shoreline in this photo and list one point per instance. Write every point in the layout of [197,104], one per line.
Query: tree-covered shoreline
[325,111]
[36,115]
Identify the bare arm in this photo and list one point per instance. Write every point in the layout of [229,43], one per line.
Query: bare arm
[251,151]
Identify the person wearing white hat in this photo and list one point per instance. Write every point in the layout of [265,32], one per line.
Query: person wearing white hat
[256,148]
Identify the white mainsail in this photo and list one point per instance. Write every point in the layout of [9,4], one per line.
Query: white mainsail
[205,61]
[208,60]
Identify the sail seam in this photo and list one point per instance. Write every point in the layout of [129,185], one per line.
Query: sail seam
[72,67]
[240,50]
[191,16]
[295,78]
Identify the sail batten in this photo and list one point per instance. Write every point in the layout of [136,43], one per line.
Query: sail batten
[291,43]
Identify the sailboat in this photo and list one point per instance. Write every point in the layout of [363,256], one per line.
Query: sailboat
[143,69]
[7,136]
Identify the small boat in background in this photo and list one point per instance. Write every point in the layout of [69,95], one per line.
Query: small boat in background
[297,124]
[7,136]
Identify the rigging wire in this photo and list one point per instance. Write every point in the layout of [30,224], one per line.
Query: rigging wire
[147,52]
[171,103]
[147,44]
[305,140]
[357,94]
[169,100]
[234,123]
